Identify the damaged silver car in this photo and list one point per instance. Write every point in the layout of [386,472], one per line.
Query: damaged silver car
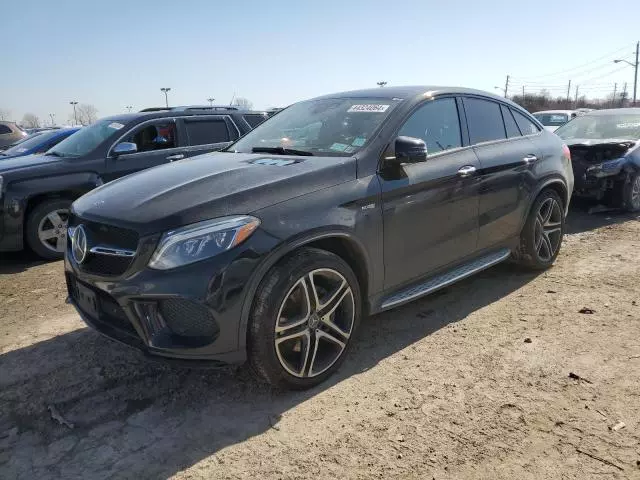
[605,153]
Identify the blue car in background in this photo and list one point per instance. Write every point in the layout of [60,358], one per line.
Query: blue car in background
[37,143]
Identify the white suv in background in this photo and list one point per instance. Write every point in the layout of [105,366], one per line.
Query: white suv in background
[553,119]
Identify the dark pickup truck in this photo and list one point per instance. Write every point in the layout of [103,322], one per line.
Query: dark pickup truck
[36,191]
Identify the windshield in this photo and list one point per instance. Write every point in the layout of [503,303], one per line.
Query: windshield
[86,139]
[30,142]
[601,127]
[331,126]
[552,119]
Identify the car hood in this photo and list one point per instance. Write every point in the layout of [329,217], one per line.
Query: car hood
[598,141]
[11,164]
[209,186]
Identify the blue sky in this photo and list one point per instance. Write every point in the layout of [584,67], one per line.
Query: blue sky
[117,53]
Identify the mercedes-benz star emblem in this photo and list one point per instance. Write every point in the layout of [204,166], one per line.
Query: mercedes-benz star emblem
[79,244]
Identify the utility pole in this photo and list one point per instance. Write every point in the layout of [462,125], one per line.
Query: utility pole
[523,93]
[635,75]
[75,117]
[568,91]
[165,90]
[506,87]
[624,95]
[210,100]
[381,84]
[615,90]
[53,122]
[576,102]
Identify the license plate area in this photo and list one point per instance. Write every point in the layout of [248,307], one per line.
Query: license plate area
[87,300]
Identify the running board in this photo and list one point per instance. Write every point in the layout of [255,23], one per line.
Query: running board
[447,278]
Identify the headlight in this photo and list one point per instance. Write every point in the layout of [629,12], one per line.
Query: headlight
[201,240]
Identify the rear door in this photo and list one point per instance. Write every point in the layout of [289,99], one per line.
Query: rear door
[208,133]
[505,157]
[158,142]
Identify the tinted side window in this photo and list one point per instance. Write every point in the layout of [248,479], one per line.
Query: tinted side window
[436,123]
[154,136]
[255,119]
[4,129]
[527,127]
[204,132]
[509,123]
[484,120]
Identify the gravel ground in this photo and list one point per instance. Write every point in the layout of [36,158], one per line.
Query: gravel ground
[474,382]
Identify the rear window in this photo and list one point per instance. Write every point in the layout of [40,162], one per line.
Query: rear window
[552,119]
[255,119]
[205,132]
[527,127]
[484,120]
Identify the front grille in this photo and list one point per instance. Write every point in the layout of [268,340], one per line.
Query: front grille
[105,264]
[100,234]
[188,318]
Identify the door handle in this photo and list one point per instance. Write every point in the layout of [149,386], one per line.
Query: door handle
[529,159]
[466,171]
[178,156]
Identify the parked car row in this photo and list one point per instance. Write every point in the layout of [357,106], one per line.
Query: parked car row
[37,190]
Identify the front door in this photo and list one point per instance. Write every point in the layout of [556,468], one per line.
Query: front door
[430,210]
[158,143]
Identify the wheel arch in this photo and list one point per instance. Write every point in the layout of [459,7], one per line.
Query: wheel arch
[340,242]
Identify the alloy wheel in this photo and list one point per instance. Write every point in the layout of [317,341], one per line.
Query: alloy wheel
[314,323]
[635,193]
[52,230]
[548,229]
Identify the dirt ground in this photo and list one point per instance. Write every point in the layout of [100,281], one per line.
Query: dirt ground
[471,383]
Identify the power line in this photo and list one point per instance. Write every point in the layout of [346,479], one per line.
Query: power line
[578,67]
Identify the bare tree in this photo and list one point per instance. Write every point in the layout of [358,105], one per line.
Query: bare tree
[243,103]
[86,114]
[4,114]
[30,121]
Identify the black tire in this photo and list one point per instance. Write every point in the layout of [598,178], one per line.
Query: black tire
[279,285]
[531,253]
[631,198]
[36,216]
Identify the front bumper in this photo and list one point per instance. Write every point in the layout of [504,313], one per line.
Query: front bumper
[191,313]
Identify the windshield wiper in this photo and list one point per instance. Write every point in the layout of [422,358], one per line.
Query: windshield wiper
[281,151]
[55,154]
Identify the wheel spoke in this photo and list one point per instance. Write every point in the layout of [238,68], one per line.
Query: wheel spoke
[311,287]
[48,234]
[305,335]
[307,309]
[547,206]
[331,338]
[328,307]
[60,244]
[55,219]
[547,245]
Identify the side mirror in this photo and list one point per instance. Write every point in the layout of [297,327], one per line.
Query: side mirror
[410,150]
[125,147]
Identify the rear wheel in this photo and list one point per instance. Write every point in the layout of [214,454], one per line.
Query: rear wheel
[541,237]
[305,314]
[631,193]
[47,228]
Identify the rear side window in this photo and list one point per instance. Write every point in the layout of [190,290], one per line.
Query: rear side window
[4,129]
[204,132]
[436,123]
[484,120]
[255,119]
[527,127]
[509,123]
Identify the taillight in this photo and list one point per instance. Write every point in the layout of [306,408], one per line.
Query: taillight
[566,152]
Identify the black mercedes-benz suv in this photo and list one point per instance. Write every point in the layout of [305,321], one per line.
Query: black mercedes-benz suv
[335,208]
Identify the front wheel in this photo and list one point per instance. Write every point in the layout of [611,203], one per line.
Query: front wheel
[631,193]
[543,231]
[303,320]
[47,228]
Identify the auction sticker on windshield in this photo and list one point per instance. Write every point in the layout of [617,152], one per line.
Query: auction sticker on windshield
[368,108]
[116,125]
